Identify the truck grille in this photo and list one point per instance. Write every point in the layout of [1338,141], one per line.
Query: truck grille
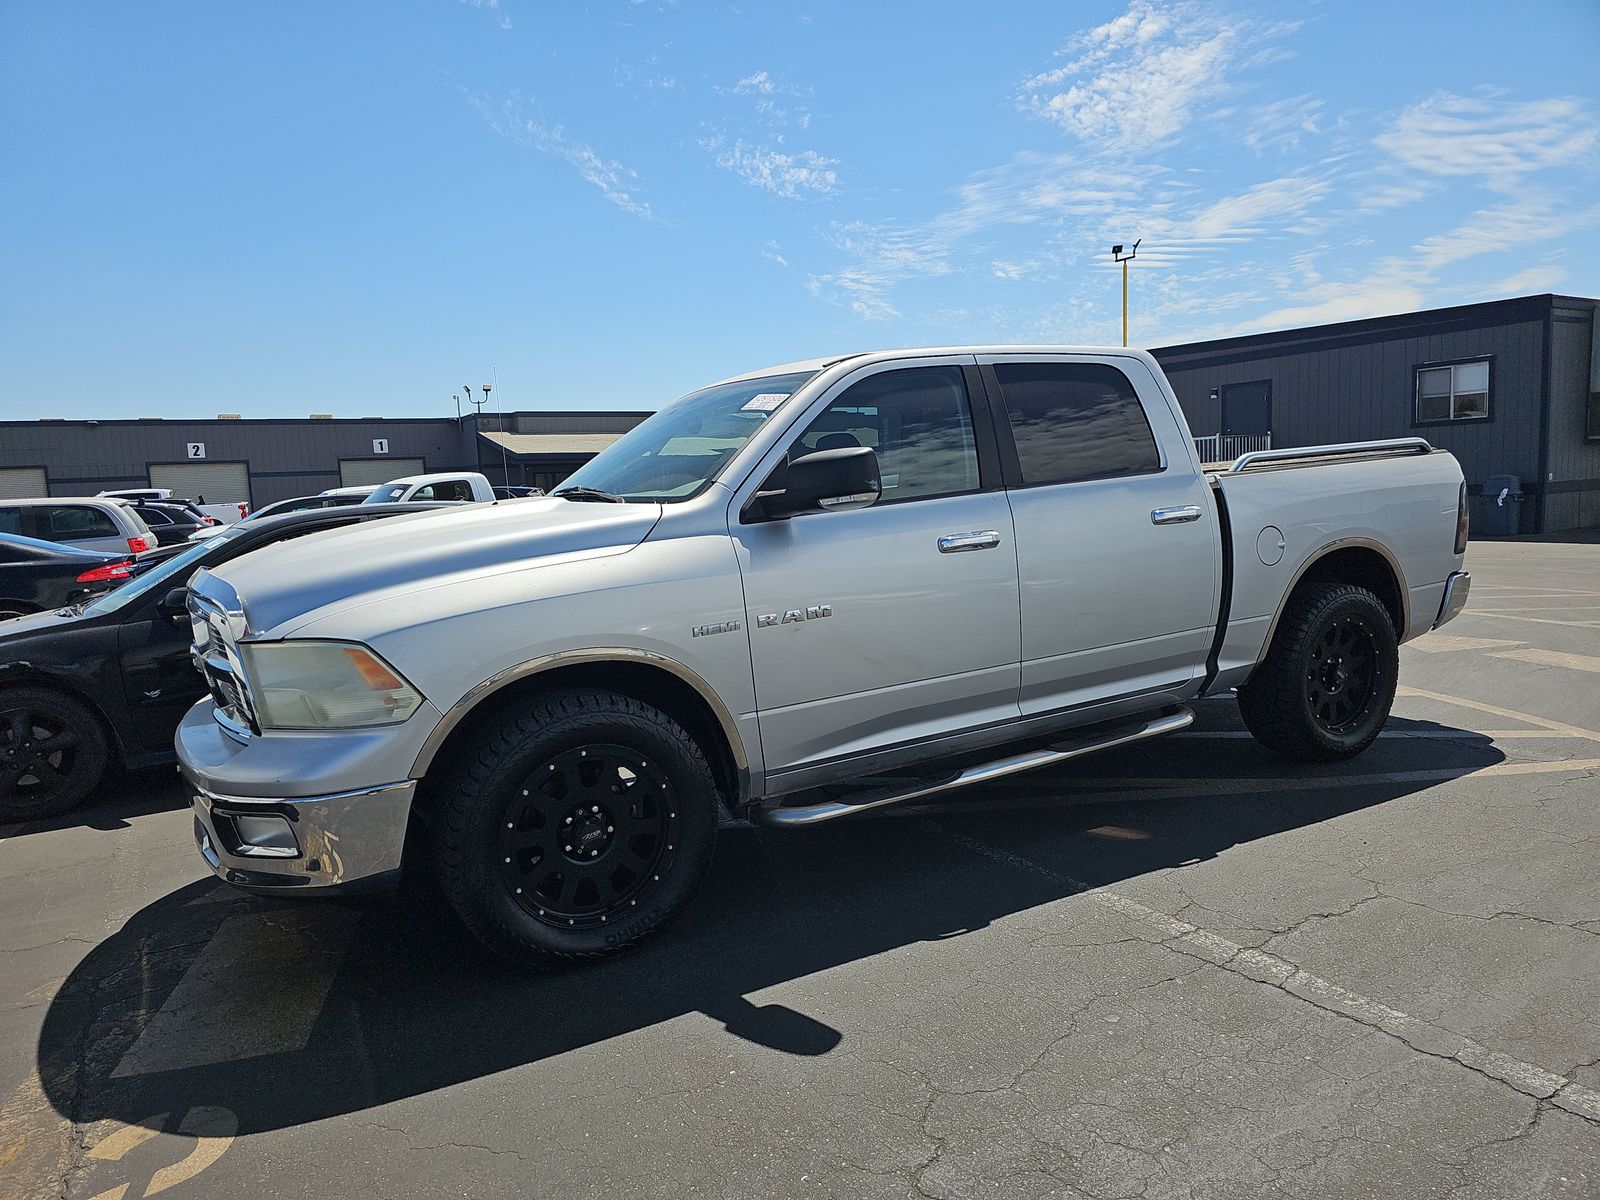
[217,658]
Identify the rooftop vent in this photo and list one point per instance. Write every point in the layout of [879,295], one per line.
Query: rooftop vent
[322,416]
[229,417]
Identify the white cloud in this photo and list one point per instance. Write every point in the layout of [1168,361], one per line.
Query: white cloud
[1529,282]
[788,175]
[1496,141]
[1281,124]
[1250,210]
[616,182]
[759,82]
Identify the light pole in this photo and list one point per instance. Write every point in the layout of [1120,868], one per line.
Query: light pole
[1117,255]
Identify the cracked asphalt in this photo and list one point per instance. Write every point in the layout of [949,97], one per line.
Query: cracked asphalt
[1184,969]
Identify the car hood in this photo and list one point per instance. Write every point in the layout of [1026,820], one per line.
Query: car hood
[282,582]
[39,622]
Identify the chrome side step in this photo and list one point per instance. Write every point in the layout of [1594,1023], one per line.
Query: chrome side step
[815,814]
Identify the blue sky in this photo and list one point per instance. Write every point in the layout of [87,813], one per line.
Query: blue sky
[358,207]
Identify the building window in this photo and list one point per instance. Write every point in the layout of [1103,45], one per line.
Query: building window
[1453,392]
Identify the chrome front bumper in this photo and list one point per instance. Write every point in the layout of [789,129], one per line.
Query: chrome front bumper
[1455,596]
[300,843]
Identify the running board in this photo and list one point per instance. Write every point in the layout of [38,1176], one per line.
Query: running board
[815,814]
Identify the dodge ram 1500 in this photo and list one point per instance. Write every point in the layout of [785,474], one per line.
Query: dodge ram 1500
[797,595]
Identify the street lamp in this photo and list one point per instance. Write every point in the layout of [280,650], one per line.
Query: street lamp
[1117,255]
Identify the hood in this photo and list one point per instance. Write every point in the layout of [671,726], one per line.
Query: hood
[292,578]
[39,622]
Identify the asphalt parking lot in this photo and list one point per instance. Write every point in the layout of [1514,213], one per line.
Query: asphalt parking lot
[1185,969]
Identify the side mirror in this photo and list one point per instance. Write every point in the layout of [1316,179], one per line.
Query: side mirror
[175,606]
[822,481]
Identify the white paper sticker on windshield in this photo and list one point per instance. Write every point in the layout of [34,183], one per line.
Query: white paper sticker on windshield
[765,402]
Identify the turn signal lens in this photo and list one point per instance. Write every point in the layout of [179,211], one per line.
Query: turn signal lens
[1461,521]
[116,570]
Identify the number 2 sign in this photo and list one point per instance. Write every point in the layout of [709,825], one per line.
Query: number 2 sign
[197,449]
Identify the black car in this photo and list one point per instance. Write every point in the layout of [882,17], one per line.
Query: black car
[171,521]
[111,678]
[36,575]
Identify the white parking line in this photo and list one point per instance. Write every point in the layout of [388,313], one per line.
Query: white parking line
[1496,710]
[1262,967]
[1434,643]
[1552,658]
[257,988]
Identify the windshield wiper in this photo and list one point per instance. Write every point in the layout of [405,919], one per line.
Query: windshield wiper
[580,493]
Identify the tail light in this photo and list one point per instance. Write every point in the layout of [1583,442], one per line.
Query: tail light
[1461,521]
[138,545]
[209,521]
[108,573]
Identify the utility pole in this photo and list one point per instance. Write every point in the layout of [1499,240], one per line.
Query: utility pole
[1117,255]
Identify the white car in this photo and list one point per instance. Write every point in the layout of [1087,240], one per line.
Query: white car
[465,487]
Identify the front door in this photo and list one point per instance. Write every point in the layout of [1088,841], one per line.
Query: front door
[158,677]
[893,623]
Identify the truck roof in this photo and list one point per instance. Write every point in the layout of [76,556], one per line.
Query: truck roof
[812,365]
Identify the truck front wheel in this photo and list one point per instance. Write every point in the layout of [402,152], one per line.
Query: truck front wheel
[1327,683]
[575,826]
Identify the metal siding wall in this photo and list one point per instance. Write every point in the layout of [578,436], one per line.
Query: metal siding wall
[1357,392]
[1572,458]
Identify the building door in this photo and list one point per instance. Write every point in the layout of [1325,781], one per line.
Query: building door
[22,483]
[1247,408]
[218,482]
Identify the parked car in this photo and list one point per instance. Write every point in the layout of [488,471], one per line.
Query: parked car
[359,490]
[37,575]
[87,522]
[455,486]
[109,679]
[514,492]
[295,504]
[783,596]
[225,514]
[173,523]
[138,493]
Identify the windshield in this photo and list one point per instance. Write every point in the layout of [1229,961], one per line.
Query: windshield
[387,494]
[675,453]
[170,573]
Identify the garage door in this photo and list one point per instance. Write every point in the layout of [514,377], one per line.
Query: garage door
[377,470]
[21,483]
[219,483]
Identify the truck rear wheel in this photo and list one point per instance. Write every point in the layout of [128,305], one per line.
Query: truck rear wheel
[575,827]
[1327,683]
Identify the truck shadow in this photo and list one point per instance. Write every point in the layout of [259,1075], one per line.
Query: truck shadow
[403,1002]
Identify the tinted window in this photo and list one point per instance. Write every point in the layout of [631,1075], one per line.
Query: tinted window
[154,516]
[1076,421]
[918,420]
[10,520]
[445,489]
[71,522]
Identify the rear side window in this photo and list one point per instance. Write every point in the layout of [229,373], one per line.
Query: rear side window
[1076,421]
[445,489]
[11,520]
[71,523]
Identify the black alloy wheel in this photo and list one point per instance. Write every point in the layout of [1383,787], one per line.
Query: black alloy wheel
[52,753]
[1326,684]
[573,824]
[586,833]
[1340,681]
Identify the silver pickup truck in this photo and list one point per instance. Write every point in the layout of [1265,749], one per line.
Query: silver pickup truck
[794,595]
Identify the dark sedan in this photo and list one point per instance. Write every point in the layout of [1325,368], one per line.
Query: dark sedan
[110,679]
[36,575]
[172,521]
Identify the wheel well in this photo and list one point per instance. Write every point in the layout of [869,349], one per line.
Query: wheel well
[651,685]
[1366,568]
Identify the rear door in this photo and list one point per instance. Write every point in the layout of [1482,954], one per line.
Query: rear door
[1117,544]
[86,526]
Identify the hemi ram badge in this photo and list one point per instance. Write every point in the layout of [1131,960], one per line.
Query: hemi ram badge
[718,627]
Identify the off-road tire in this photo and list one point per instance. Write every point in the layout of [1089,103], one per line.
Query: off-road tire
[55,743]
[492,808]
[1293,703]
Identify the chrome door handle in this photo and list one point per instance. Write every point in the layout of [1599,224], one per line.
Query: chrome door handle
[959,543]
[1175,516]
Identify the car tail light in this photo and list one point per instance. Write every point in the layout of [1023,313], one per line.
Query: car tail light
[1461,521]
[138,545]
[209,521]
[107,573]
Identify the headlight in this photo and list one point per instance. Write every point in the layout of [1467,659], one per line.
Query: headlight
[324,685]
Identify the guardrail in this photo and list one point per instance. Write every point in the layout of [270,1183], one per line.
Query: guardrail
[1224,447]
